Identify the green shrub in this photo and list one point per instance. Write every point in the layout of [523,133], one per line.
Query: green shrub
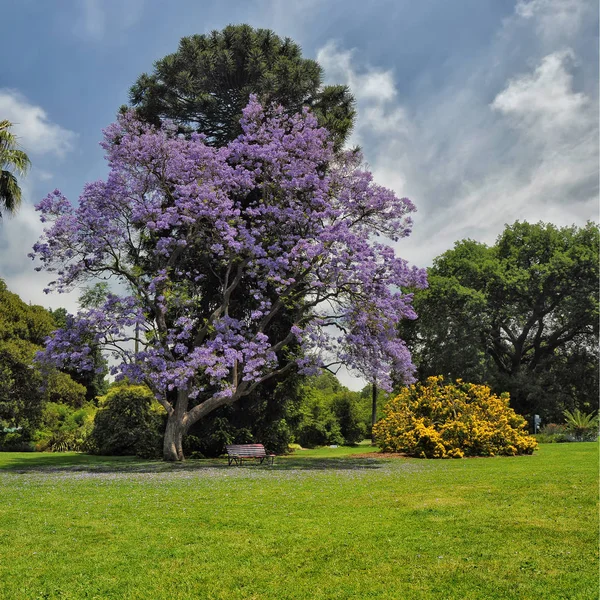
[321,432]
[64,428]
[553,438]
[209,438]
[128,421]
[553,433]
[582,426]
[437,420]
[15,441]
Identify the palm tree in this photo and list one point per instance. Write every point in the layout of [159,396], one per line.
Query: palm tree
[12,161]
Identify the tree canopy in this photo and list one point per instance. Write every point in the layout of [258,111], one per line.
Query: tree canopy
[521,315]
[23,388]
[204,86]
[213,244]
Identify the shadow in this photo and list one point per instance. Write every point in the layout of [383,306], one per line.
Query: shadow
[326,464]
[85,463]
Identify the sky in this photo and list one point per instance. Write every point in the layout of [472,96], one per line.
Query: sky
[483,112]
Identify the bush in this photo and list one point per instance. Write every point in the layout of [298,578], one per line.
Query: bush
[63,428]
[128,421]
[582,426]
[553,433]
[553,438]
[324,432]
[209,438]
[15,441]
[437,420]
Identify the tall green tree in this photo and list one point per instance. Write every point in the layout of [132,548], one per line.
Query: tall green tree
[13,162]
[23,388]
[205,85]
[521,315]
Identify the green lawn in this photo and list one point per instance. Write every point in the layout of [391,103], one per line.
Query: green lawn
[320,524]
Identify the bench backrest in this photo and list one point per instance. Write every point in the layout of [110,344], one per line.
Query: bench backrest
[247,450]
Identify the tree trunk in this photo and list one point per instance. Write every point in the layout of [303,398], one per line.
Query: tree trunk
[173,441]
[373,411]
[176,428]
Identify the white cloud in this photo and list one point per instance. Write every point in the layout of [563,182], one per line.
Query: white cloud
[17,236]
[38,136]
[370,83]
[36,133]
[543,103]
[481,152]
[554,20]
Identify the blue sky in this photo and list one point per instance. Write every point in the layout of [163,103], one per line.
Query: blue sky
[481,111]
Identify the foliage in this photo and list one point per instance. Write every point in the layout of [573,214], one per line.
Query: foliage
[60,387]
[212,245]
[350,416]
[437,420]
[128,421]
[320,525]
[12,162]
[320,411]
[521,315]
[205,85]
[64,428]
[24,388]
[328,413]
[553,433]
[583,426]
[266,416]
[22,332]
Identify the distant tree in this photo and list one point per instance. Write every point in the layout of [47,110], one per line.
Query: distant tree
[204,86]
[23,388]
[13,162]
[521,315]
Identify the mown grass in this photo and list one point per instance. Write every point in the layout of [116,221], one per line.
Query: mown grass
[320,524]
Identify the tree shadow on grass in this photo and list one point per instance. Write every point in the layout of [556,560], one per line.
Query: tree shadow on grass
[71,463]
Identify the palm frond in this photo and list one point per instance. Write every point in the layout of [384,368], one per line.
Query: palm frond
[12,161]
[10,193]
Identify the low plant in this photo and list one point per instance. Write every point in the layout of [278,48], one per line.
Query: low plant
[583,426]
[452,420]
[553,433]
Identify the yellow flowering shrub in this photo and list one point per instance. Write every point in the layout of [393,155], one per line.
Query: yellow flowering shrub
[452,420]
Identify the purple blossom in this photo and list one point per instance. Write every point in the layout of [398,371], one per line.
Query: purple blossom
[213,245]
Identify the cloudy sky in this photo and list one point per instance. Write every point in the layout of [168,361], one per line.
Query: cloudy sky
[481,111]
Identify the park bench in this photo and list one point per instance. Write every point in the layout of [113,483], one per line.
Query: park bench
[236,453]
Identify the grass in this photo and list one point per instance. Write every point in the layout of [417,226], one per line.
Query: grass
[320,524]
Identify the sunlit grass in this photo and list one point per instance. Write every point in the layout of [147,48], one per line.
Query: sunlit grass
[320,524]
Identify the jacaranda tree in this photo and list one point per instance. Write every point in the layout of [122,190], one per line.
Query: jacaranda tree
[210,245]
